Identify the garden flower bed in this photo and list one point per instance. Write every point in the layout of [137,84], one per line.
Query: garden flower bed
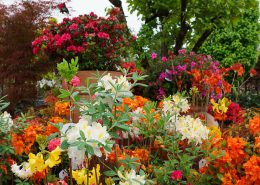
[178,121]
[122,138]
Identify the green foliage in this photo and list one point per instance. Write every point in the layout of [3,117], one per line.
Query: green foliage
[239,43]
[68,70]
[178,23]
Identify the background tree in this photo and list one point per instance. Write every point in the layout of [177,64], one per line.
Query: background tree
[175,24]
[238,43]
[19,24]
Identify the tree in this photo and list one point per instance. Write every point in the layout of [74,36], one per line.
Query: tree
[239,43]
[179,23]
[19,24]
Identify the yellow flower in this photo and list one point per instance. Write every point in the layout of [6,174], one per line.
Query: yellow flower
[36,162]
[80,176]
[54,158]
[214,105]
[93,174]
[223,105]
[109,181]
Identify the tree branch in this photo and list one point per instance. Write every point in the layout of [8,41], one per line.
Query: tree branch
[202,39]
[184,27]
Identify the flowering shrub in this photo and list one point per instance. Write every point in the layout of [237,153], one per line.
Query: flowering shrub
[186,70]
[98,42]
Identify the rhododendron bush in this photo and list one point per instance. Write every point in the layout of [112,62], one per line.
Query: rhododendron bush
[98,42]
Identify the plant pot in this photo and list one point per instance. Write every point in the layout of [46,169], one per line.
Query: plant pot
[83,75]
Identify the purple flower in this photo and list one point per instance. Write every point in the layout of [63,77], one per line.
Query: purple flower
[193,64]
[181,68]
[164,59]
[154,55]
[161,93]
[162,76]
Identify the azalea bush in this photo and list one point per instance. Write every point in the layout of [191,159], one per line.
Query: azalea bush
[100,43]
[196,73]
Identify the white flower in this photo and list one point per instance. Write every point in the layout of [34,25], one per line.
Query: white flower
[118,87]
[125,86]
[6,122]
[106,82]
[22,171]
[191,129]
[94,133]
[174,105]
[44,82]
[77,157]
[131,178]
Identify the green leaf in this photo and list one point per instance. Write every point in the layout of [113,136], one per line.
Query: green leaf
[89,150]
[64,145]
[64,94]
[82,134]
[110,173]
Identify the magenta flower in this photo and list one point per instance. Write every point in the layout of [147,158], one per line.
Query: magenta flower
[103,35]
[133,37]
[73,27]
[164,59]
[154,55]
[162,76]
[75,81]
[53,144]
[176,175]
[182,51]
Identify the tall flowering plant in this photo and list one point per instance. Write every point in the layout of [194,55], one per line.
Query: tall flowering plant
[98,42]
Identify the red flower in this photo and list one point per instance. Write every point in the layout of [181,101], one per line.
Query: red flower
[103,35]
[252,72]
[237,67]
[73,26]
[176,175]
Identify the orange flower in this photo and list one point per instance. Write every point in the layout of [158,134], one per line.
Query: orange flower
[254,125]
[62,108]
[196,74]
[252,170]
[257,144]
[227,179]
[237,67]
[24,141]
[226,87]
[56,119]
[50,129]
[138,101]
[235,148]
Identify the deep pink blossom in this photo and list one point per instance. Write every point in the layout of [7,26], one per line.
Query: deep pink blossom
[134,37]
[154,55]
[75,81]
[182,51]
[74,26]
[176,175]
[53,144]
[103,35]
[164,59]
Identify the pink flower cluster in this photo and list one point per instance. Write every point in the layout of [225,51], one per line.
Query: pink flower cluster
[95,40]
[176,175]
[53,144]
